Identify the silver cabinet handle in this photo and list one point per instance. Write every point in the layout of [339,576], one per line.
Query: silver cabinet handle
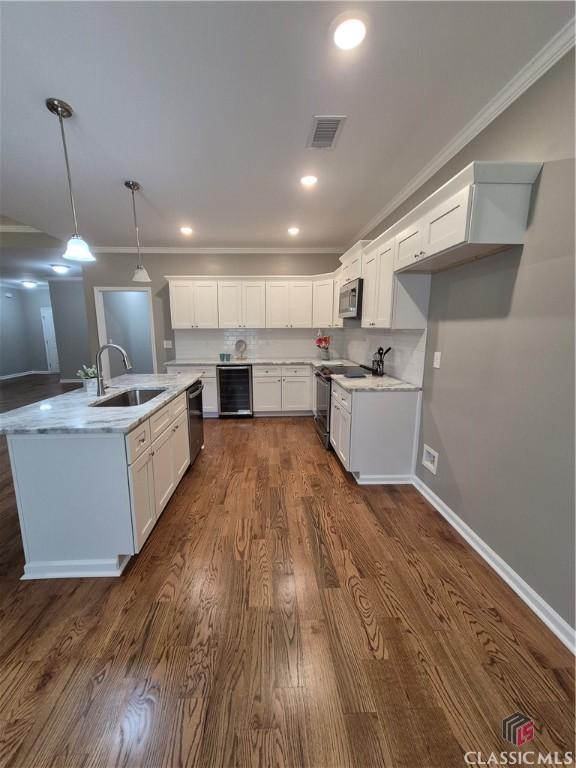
[279,380]
[422,253]
[142,440]
[151,453]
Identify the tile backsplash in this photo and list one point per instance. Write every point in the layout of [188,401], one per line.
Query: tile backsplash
[405,361]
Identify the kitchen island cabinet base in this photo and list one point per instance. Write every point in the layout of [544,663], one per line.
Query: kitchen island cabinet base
[75,569]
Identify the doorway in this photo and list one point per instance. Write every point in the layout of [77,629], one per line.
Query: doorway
[124,317]
[49,339]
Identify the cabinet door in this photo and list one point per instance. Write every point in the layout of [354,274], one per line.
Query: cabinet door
[300,302]
[322,303]
[337,322]
[142,498]
[408,246]
[206,304]
[267,394]
[254,305]
[180,446]
[164,479]
[182,304]
[370,289]
[345,425]
[296,393]
[446,225]
[335,412]
[277,309]
[230,305]
[209,396]
[385,292]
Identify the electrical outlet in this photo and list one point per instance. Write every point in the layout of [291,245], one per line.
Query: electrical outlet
[167,343]
[436,361]
[430,459]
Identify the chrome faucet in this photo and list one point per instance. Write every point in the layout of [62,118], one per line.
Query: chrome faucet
[125,359]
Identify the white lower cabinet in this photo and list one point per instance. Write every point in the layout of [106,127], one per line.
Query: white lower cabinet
[143,500]
[267,393]
[180,446]
[276,389]
[164,476]
[296,393]
[208,377]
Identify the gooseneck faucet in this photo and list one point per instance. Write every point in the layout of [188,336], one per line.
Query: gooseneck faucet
[125,360]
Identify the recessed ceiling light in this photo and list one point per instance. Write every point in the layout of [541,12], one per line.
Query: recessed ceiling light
[29,283]
[349,34]
[308,181]
[60,269]
[293,231]
[186,230]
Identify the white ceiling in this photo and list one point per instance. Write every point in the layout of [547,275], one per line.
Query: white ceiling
[209,105]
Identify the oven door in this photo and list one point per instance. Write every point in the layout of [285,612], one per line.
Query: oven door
[322,417]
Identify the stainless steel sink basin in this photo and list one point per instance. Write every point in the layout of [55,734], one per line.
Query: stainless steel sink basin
[129,398]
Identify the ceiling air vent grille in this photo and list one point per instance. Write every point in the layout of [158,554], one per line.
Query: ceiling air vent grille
[325,131]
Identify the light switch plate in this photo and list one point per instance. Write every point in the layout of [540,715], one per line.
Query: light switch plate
[167,343]
[436,361]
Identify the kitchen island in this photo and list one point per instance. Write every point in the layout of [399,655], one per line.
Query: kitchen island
[92,480]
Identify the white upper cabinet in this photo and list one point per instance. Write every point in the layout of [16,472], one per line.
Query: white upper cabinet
[323,304]
[384,315]
[289,304]
[352,261]
[194,303]
[482,210]
[370,289]
[241,304]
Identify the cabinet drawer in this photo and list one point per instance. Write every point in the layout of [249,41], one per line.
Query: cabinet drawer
[207,372]
[299,370]
[178,406]
[137,441]
[159,421]
[342,397]
[263,371]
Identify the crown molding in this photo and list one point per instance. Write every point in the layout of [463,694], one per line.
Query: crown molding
[119,250]
[552,52]
[20,229]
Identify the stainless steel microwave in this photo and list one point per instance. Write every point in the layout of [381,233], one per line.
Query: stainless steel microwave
[350,302]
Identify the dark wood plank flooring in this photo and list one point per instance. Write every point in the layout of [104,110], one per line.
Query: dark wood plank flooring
[279,615]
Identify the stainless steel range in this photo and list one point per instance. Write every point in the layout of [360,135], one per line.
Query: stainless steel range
[323,394]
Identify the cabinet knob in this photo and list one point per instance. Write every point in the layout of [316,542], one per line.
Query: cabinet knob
[422,253]
[151,453]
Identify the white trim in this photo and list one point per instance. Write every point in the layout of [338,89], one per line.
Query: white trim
[20,229]
[25,373]
[101,321]
[336,249]
[533,600]
[265,278]
[552,52]
[71,381]
[75,569]
[382,479]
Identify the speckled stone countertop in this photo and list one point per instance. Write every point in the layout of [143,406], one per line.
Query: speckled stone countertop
[375,384]
[72,412]
[316,362]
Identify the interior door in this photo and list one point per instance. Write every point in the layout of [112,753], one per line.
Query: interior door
[49,339]
[230,305]
[206,304]
[254,305]
[300,305]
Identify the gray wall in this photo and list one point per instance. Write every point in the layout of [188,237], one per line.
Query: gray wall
[127,316]
[70,325]
[117,270]
[21,336]
[500,410]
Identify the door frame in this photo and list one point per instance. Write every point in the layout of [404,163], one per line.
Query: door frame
[43,312]
[101,321]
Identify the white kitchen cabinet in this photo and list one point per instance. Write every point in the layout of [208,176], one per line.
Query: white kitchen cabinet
[323,304]
[267,393]
[370,269]
[408,245]
[446,224]
[180,445]
[194,304]
[241,304]
[164,474]
[296,393]
[208,376]
[289,304]
[142,498]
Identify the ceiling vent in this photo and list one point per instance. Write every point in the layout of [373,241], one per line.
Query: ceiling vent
[325,131]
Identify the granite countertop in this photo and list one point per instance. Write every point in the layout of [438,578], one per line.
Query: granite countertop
[71,413]
[375,384]
[316,362]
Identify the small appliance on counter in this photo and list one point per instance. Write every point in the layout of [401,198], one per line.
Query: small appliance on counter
[378,361]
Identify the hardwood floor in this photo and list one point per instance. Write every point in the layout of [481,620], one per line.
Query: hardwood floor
[279,615]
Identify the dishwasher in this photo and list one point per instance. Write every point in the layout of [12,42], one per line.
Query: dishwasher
[234,390]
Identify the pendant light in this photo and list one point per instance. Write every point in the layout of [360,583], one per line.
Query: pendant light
[77,248]
[140,273]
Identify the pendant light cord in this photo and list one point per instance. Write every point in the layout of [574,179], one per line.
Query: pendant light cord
[68,172]
[136,228]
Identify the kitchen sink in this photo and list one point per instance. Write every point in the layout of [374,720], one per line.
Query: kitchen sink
[129,398]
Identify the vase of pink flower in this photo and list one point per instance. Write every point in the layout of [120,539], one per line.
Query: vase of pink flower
[323,344]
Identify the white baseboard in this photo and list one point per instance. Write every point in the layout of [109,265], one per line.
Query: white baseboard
[533,600]
[24,373]
[75,569]
[383,479]
[70,381]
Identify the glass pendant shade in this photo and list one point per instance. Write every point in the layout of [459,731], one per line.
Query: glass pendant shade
[141,275]
[77,250]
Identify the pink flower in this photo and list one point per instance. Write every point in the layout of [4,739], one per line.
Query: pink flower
[323,342]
